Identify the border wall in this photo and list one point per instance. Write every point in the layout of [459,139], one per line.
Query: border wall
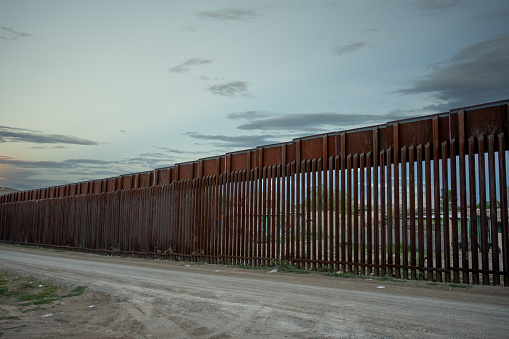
[422,198]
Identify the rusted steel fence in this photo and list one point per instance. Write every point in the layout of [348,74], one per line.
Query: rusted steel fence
[422,198]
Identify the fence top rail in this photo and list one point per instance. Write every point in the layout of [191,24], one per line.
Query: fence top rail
[475,121]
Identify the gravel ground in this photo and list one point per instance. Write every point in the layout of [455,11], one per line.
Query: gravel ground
[135,298]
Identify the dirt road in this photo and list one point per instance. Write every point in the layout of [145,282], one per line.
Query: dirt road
[135,298]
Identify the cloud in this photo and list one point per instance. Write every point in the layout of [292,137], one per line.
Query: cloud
[151,160]
[249,115]
[235,14]
[353,47]
[27,174]
[48,147]
[206,78]
[13,134]
[23,179]
[7,33]
[241,141]
[97,174]
[144,159]
[436,7]
[479,73]
[231,89]
[330,4]
[7,160]
[491,16]
[175,151]
[288,126]
[313,122]
[184,67]
[70,163]
[88,162]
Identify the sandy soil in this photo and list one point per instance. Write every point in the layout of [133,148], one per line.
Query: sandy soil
[135,298]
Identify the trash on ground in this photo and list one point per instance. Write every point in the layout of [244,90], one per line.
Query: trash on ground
[218,271]
[188,265]
[273,271]
[381,287]
[47,315]
[91,306]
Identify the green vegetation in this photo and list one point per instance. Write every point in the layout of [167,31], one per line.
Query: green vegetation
[248,267]
[341,274]
[280,265]
[29,291]
[387,278]
[283,265]
[454,285]
[9,318]
[79,290]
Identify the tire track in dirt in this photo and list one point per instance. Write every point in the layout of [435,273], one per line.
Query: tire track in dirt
[158,327]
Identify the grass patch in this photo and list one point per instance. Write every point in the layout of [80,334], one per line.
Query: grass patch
[454,285]
[79,290]
[33,292]
[280,265]
[11,317]
[342,275]
[44,301]
[387,278]
[248,267]
[284,266]
[29,246]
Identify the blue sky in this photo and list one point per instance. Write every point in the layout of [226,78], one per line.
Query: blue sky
[94,89]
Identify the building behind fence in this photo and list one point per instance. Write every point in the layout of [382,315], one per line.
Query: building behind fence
[422,198]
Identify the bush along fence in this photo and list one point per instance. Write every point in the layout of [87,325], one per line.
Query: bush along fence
[422,198]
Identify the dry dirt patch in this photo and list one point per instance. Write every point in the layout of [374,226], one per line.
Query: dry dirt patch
[35,308]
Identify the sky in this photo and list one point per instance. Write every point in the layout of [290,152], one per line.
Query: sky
[95,89]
